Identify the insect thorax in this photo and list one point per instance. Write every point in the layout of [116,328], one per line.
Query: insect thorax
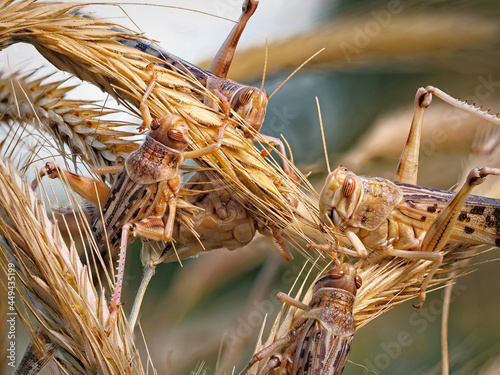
[332,307]
[153,162]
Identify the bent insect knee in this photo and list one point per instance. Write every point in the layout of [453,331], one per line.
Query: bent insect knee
[477,175]
[423,97]
[273,363]
[51,170]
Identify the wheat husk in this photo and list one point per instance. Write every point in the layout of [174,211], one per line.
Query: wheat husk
[56,288]
[80,124]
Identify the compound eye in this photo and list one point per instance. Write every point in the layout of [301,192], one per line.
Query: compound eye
[155,124]
[358,281]
[246,96]
[336,273]
[175,135]
[348,187]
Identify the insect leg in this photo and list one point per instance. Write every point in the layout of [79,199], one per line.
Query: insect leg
[150,228]
[463,105]
[275,142]
[171,195]
[227,113]
[334,249]
[291,301]
[111,169]
[360,248]
[224,57]
[277,241]
[143,106]
[257,357]
[408,163]
[435,256]
[92,190]
[273,363]
[441,228]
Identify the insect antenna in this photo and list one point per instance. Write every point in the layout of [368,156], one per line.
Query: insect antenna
[323,135]
[266,52]
[295,71]
[120,6]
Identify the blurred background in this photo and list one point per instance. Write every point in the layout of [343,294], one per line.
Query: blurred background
[206,315]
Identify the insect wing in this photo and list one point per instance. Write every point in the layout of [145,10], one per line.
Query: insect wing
[320,352]
[380,196]
[126,201]
[478,221]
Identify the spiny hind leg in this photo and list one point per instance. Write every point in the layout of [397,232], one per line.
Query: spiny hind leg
[150,228]
[464,105]
[408,164]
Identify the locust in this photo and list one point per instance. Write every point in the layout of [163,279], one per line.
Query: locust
[401,219]
[220,222]
[250,103]
[145,190]
[320,341]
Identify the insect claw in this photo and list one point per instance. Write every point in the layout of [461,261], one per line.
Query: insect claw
[419,305]
[113,315]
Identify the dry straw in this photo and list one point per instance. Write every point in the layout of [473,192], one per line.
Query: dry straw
[56,288]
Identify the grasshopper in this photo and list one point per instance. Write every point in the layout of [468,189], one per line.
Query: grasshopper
[145,190]
[320,341]
[221,222]
[403,219]
[250,103]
